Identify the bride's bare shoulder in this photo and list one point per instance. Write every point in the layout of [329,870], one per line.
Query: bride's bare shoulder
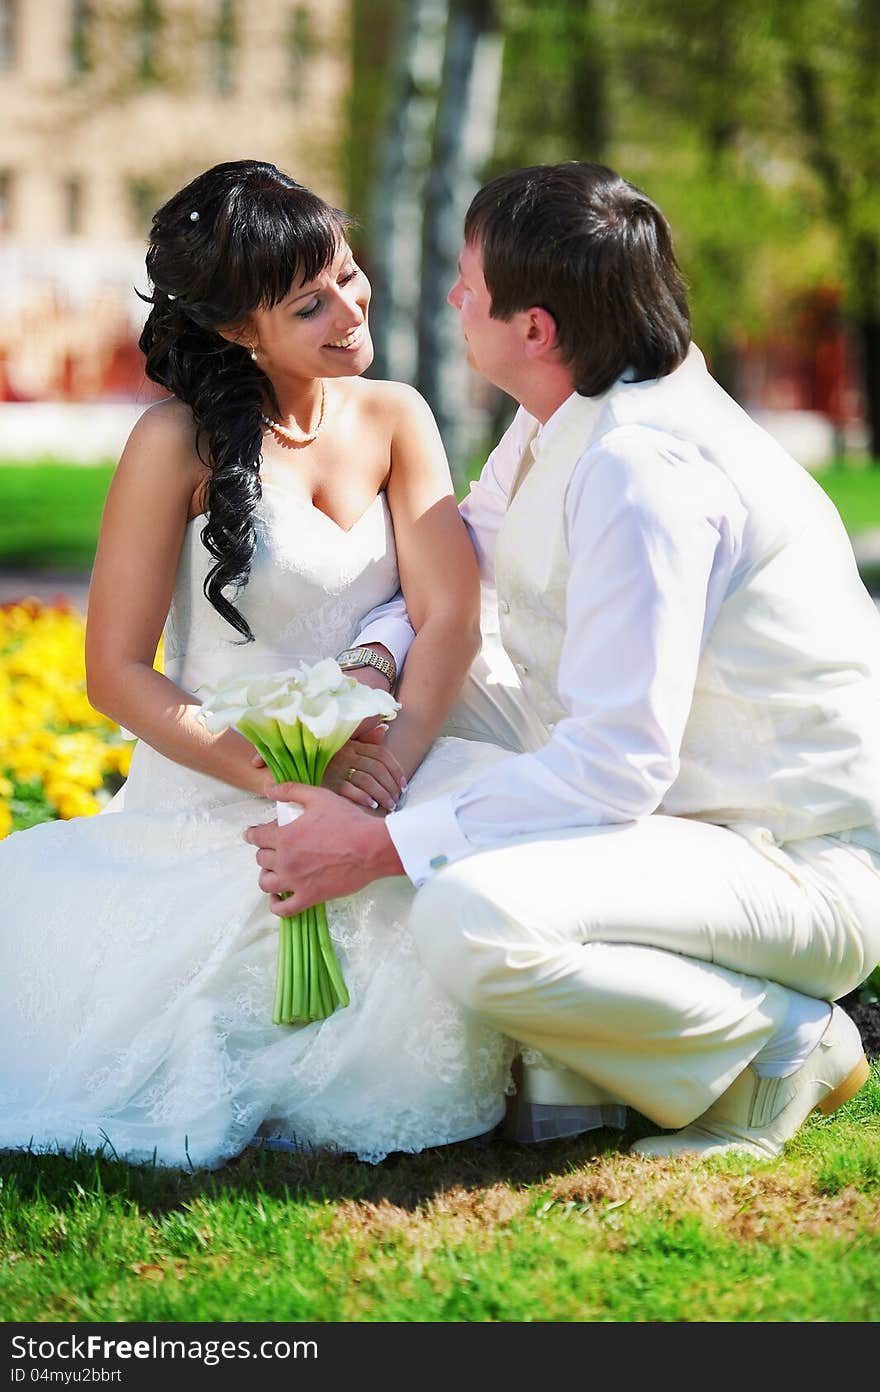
[395,401]
[169,423]
[163,439]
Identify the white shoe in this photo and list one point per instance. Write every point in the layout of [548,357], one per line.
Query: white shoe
[756,1116]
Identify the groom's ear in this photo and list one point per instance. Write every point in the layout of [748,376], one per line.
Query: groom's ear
[541,333]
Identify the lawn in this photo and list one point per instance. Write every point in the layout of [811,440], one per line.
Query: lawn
[574,1230]
[855,492]
[50,512]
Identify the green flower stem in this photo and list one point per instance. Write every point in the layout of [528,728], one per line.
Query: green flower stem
[325,997]
[289,929]
[325,750]
[286,970]
[296,1008]
[314,957]
[306,959]
[329,957]
[296,758]
[310,747]
[270,746]
[309,984]
[282,973]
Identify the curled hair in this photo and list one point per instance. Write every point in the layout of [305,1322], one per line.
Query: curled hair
[581,242]
[256,232]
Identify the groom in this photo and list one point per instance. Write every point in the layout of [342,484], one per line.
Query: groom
[665,893]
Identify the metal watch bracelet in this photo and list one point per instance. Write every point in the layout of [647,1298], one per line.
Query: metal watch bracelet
[366,657]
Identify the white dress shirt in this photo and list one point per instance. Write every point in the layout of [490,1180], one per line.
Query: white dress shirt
[660,531]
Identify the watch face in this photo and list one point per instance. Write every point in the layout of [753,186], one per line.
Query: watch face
[365,657]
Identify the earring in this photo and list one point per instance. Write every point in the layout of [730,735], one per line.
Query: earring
[253,352]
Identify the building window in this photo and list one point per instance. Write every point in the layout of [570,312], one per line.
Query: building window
[149,23]
[143,200]
[5,202]
[224,46]
[8,32]
[302,48]
[73,207]
[80,35]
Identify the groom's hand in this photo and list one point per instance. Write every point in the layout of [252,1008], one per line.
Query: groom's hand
[332,850]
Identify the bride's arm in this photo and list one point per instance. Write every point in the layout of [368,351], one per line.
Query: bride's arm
[142,531]
[438,577]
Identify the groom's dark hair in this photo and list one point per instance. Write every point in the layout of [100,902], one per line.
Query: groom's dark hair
[581,242]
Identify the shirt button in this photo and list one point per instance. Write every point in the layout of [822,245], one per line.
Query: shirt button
[504,606]
[437,862]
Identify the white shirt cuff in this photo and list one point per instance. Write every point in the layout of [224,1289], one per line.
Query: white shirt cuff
[395,634]
[427,837]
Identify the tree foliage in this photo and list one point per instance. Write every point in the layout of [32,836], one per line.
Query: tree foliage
[755,126]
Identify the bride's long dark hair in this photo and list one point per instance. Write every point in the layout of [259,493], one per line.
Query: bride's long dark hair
[230,242]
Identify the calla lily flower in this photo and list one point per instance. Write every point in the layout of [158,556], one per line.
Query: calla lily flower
[297,720]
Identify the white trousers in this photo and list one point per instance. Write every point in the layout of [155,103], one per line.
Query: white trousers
[653,959]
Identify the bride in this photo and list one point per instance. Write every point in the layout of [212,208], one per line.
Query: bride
[256,515]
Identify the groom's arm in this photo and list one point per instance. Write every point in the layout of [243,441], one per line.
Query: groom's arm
[651,559]
[388,626]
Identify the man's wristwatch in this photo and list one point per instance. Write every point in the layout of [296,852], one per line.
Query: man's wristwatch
[368,657]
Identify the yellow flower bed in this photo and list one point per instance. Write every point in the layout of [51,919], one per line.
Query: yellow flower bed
[59,757]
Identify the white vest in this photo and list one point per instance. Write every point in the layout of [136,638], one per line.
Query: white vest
[784,728]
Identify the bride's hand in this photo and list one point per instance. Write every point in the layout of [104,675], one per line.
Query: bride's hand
[365,772]
[266,779]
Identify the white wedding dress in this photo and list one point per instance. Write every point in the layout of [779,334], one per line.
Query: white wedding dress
[137,952]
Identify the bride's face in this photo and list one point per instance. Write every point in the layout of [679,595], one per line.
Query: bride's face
[321,328]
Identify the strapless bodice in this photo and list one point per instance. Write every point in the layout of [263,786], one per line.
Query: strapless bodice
[311,582]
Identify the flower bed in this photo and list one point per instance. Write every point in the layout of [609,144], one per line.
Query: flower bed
[60,757]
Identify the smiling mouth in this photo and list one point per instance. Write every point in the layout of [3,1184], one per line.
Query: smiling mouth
[350,342]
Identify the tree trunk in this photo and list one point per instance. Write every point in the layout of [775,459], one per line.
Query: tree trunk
[463,142]
[863,248]
[589,108]
[870,335]
[866,266]
[396,223]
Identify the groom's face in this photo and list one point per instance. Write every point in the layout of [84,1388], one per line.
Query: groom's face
[491,343]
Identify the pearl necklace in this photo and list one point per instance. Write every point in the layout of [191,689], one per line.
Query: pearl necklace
[288,435]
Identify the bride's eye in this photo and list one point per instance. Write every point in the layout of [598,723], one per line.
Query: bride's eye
[349,275]
[307,313]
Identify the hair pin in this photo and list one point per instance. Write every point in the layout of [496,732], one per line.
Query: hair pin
[170,296]
[193,217]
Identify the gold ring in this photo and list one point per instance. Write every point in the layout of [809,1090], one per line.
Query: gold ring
[350,773]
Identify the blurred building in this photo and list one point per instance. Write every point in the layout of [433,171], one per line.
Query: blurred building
[108,106]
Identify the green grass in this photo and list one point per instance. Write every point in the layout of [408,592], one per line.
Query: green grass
[576,1230]
[50,512]
[855,492]
[573,1231]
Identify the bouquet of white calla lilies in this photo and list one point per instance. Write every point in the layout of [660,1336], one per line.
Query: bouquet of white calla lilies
[297,720]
